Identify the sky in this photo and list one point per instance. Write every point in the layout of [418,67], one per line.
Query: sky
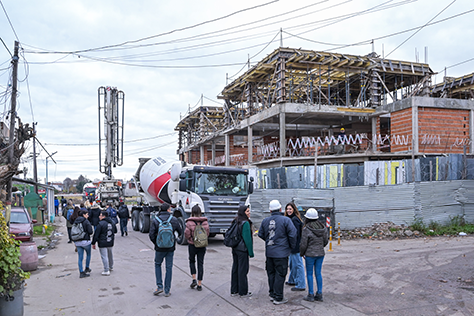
[167,56]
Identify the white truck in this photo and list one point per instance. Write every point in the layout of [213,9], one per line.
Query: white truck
[219,191]
[109,191]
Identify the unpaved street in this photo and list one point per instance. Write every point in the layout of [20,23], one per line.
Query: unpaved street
[361,277]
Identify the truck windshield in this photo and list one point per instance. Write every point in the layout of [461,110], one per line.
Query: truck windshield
[221,183]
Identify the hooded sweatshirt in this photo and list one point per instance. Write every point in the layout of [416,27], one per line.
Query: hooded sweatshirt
[313,239]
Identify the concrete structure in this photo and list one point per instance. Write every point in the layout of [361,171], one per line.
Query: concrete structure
[295,100]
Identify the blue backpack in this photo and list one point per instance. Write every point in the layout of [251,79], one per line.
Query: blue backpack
[165,237]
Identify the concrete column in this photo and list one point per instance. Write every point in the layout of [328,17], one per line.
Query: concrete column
[282,134]
[227,150]
[414,126]
[213,148]
[374,134]
[201,152]
[250,144]
[471,131]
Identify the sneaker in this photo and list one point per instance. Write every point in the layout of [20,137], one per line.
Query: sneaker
[167,294]
[84,275]
[126,233]
[69,242]
[158,291]
[309,298]
[199,288]
[283,301]
[87,270]
[194,284]
[297,289]
[234,294]
[318,297]
[271,298]
[111,269]
[107,273]
[249,294]
[289,283]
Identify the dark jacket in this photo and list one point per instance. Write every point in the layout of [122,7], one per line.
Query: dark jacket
[104,233]
[279,234]
[94,215]
[123,212]
[86,225]
[246,244]
[163,215]
[299,227]
[112,214]
[191,225]
[313,239]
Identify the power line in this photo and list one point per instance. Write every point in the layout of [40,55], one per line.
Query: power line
[11,25]
[1,39]
[96,144]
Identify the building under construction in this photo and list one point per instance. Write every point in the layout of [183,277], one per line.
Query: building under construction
[296,105]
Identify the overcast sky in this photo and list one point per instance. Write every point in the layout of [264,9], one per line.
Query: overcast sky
[164,54]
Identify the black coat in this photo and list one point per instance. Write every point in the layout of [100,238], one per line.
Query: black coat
[104,233]
[86,225]
[123,212]
[94,215]
[299,227]
[164,215]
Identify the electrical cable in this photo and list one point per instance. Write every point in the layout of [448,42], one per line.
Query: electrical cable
[1,39]
[11,25]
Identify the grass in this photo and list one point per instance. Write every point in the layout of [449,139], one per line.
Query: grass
[38,230]
[456,225]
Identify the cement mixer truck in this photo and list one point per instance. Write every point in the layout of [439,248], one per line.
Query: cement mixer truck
[219,191]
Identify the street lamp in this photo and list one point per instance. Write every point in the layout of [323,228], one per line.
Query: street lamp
[47,190]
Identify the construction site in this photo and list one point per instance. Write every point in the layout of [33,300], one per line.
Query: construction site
[353,109]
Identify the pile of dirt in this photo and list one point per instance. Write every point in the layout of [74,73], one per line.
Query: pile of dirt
[387,230]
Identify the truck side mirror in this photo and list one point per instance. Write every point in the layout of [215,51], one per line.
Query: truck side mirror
[251,185]
[182,185]
[175,171]
[182,175]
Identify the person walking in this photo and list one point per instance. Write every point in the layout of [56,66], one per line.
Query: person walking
[241,254]
[124,215]
[67,213]
[191,223]
[94,214]
[165,249]
[104,236]
[112,213]
[84,244]
[56,206]
[296,277]
[313,240]
[280,237]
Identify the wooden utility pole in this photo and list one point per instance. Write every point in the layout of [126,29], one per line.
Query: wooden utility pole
[11,137]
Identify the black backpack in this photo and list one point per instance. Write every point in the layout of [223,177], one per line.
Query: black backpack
[233,235]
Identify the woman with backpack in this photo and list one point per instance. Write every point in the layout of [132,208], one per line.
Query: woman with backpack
[313,240]
[67,212]
[196,233]
[84,243]
[241,253]
[297,276]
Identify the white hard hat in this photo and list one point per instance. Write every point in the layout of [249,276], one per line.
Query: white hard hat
[311,214]
[274,205]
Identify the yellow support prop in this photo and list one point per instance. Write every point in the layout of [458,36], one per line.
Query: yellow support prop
[330,238]
[338,233]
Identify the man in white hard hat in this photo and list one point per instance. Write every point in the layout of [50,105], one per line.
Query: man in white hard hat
[280,237]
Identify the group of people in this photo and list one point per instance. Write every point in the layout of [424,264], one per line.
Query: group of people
[288,239]
[101,224]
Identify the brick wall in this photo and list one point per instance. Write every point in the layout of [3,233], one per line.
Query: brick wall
[401,126]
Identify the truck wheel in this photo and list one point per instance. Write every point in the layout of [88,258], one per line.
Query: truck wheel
[135,215]
[144,222]
[181,239]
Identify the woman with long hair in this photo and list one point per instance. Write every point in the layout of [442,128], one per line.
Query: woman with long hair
[297,277]
[313,240]
[241,254]
[83,244]
[191,223]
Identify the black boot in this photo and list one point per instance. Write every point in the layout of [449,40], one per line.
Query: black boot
[318,297]
[309,298]
[84,275]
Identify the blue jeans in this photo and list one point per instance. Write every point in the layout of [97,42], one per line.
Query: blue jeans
[80,253]
[297,271]
[315,263]
[123,225]
[159,257]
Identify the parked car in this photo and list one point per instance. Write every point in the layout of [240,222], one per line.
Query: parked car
[21,224]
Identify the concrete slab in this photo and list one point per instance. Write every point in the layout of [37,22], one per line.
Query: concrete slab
[361,277]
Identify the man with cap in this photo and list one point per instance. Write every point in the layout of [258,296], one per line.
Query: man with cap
[164,253]
[280,237]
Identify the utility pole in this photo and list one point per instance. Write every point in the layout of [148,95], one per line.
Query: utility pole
[35,169]
[11,139]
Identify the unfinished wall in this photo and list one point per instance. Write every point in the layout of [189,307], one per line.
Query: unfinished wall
[401,127]
[442,130]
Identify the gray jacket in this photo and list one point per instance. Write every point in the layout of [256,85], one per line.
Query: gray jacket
[313,239]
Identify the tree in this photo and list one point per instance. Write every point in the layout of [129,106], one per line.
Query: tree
[67,183]
[81,181]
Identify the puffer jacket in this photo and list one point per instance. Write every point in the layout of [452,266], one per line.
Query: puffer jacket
[191,225]
[299,227]
[86,225]
[104,233]
[313,239]
[94,215]
[279,234]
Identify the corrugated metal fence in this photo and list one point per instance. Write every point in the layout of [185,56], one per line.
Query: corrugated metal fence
[363,206]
